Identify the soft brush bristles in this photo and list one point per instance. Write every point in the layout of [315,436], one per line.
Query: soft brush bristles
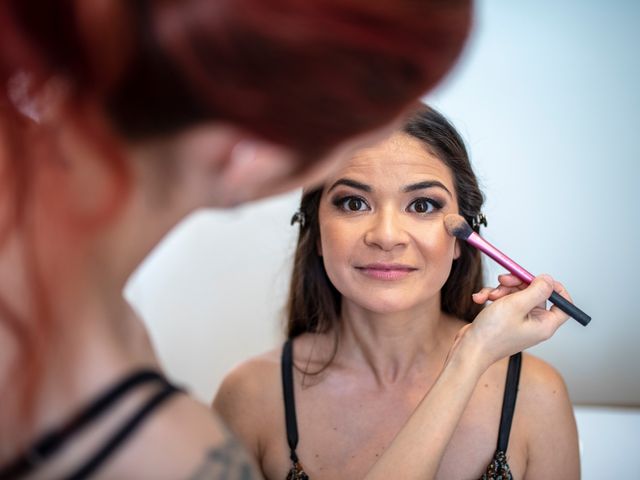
[457,226]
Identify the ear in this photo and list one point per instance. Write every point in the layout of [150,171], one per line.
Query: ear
[319,247]
[254,169]
[229,166]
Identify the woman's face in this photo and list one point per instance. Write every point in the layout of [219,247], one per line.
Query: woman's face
[382,236]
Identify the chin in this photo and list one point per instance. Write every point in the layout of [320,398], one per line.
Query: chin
[385,306]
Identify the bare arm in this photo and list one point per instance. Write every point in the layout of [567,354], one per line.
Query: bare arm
[229,461]
[515,321]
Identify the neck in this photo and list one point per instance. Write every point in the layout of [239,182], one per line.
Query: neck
[395,346]
[100,341]
[89,336]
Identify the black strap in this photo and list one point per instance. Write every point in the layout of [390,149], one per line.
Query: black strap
[289,400]
[123,433]
[509,400]
[50,443]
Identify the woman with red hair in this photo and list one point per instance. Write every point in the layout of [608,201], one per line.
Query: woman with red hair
[117,119]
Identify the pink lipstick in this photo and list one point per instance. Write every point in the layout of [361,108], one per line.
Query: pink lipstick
[386,271]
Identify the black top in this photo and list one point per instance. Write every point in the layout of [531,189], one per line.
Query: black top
[498,469]
[52,442]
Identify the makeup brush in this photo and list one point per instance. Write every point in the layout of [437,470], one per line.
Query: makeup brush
[458,227]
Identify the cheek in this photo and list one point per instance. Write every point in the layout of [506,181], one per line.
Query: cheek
[332,244]
[439,251]
[336,245]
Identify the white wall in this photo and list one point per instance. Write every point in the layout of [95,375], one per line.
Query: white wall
[548,100]
[609,441]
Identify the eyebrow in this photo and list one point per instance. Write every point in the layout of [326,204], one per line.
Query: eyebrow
[351,183]
[409,188]
[426,184]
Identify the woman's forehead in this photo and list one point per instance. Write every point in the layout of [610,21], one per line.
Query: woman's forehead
[398,159]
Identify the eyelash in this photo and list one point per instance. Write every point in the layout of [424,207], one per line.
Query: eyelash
[434,203]
[341,204]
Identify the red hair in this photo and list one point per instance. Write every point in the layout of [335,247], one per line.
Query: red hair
[304,74]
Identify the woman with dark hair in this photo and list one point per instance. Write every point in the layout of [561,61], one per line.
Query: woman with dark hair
[382,300]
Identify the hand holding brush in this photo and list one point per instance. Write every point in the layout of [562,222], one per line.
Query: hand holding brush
[458,227]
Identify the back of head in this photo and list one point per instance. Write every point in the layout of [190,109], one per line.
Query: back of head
[301,73]
[304,74]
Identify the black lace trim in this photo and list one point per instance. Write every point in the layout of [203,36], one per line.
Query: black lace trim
[498,469]
[297,473]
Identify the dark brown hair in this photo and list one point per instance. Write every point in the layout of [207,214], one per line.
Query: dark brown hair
[314,303]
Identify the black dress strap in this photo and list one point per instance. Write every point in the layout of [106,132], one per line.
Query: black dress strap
[52,442]
[509,401]
[121,435]
[289,400]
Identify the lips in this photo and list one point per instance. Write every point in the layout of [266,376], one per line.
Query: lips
[386,271]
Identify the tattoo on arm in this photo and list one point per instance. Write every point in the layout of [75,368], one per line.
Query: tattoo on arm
[228,461]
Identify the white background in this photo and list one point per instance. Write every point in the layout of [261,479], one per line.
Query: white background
[547,97]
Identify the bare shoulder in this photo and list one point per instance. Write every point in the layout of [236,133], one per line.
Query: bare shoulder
[247,382]
[259,378]
[218,453]
[541,385]
[185,440]
[547,422]
[249,399]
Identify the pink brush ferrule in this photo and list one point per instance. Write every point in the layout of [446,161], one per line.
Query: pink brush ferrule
[484,246]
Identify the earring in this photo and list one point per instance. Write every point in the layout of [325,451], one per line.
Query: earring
[479,219]
[299,217]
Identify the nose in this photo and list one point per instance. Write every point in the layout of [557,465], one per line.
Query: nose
[386,231]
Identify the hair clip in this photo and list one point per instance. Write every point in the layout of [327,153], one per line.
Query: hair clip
[298,217]
[479,219]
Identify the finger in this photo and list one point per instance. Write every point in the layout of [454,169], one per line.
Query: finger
[510,280]
[557,315]
[502,291]
[559,287]
[535,294]
[562,291]
[552,319]
[482,296]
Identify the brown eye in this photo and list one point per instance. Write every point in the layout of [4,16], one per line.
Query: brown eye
[354,204]
[421,206]
[351,204]
[424,205]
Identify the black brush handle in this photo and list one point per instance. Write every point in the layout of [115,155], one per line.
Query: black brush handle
[569,308]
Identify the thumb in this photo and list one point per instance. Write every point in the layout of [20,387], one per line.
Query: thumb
[538,292]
